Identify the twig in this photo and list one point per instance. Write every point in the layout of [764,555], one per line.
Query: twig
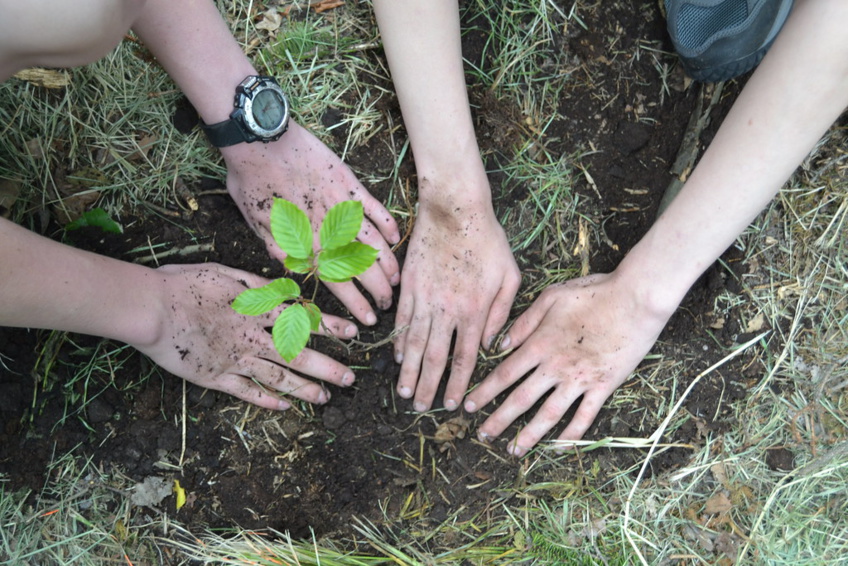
[688,152]
[183,449]
[187,250]
[366,346]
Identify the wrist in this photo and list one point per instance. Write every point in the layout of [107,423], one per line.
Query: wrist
[459,183]
[655,282]
[139,320]
[245,153]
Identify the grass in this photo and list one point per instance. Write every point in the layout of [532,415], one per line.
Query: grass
[726,503]
[80,517]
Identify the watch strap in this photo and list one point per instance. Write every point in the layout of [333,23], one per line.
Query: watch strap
[224,134]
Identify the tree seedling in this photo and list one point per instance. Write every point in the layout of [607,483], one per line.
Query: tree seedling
[339,259]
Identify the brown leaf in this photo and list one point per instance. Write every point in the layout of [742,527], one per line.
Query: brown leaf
[756,324]
[324,5]
[271,20]
[718,503]
[449,431]
[145,143]
[10,190]
[77,187]
[719,473]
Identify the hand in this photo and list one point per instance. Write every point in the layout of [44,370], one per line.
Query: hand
[203,340]
[459,276]
[299,168]
[583,337]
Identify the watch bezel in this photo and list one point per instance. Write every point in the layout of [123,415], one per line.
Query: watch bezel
[247,92]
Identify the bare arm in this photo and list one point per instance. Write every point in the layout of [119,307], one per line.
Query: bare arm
[193,43]
[585,337]
[459,275]
[178,315]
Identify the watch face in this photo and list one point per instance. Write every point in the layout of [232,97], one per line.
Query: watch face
[268,109]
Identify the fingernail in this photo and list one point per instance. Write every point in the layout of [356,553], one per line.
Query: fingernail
[505,343]
[350,331]
[483,436]
[419,407]
[470,406]
[399,358]
[395,279]
[515,450]
[283,405]
[324,397]
[405,392]
[489,342]
[370,319]
[348,378]
[450,405]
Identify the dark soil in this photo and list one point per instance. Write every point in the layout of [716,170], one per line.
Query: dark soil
[365,452]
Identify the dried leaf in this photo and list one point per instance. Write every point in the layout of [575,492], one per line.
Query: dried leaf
[719,473]
[325,5]
[718,503]
[10,190]
[718,323]
[150,492]
[271,20]
[145,143]
[449,431]
[728,545]
[72,207]
[756,324]
[582,247]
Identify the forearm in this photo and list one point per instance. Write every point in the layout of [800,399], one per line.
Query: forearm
[44,284]
[800,88]
[422,43]
[193,43]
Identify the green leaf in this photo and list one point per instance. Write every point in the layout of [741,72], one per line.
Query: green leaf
[314,316]
[291,332]
[340,264]
[98,218]
[254,302]
[341,225]
[290,228]
[297,264]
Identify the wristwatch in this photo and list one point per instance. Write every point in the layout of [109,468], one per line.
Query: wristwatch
[261,114]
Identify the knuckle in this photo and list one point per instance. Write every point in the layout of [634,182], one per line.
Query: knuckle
[435,356]
[462,363]
[416,341]
[551,413]
[523,398]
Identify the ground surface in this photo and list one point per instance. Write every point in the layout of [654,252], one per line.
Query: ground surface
[366,454]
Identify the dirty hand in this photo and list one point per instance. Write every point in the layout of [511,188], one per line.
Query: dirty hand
[203,340]
[583,337]
[459,276]
[301,169]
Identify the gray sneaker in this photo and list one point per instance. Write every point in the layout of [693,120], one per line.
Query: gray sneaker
[721,39]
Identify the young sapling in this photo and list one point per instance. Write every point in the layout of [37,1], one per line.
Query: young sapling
[339,259]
